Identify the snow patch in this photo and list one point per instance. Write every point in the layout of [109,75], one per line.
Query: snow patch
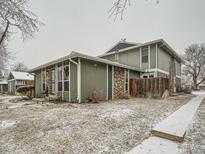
[7,124]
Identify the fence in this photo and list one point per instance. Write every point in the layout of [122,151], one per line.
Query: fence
[148,87]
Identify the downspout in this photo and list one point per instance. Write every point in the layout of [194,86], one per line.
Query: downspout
[78,78]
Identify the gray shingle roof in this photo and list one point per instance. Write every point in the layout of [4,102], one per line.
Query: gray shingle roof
[80,55]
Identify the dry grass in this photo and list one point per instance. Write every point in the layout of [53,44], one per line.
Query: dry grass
[109,127]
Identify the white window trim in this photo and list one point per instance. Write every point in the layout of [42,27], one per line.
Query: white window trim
[79,79]
[140,58]
[56,78]
[160,70]
[69,85]
[43,71]
[53,90]
[147,74]
[112,82]
[62,80]
[156,56]
[107,81]
[68,77]
[61,77]
[149,57]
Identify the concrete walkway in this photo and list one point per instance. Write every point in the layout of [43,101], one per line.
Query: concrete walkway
[155,145]
[173,127]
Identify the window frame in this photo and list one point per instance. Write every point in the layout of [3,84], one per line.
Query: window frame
[53,77]
[66,80]
[145,54]
[44,80]
[60,80]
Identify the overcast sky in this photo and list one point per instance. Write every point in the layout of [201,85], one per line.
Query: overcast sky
[83,26]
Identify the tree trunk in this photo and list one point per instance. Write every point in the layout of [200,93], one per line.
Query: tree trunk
[195,86]
[4,33]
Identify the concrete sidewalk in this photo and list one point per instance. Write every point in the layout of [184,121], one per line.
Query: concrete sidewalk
[155,145]
[174,126]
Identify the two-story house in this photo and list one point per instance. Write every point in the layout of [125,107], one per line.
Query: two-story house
[155,58]
[78,77]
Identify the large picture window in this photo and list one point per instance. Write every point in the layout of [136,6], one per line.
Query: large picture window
[60,78]
[66,77]
[53,80]
[145,55]
[44,80]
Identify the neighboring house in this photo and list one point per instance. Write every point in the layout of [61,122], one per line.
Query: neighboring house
[76,77]
[17,79]
[3,86]
[155,58]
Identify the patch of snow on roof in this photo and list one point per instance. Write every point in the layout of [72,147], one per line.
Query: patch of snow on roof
[22,75]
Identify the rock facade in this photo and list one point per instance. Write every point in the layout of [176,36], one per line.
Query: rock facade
[118,80]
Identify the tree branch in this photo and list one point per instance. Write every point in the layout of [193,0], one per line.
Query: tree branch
[4,33]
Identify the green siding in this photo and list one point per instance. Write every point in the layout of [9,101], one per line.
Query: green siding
[134,75]
[160,74]
[93,76]
[178,68]
[109,57]
[73,82]
[153,56]
[38,92]
[163,60]
[131,57]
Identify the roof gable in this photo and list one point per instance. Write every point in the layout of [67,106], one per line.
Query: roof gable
[161,42]
[121,45]
[10,77]
[79,55]
[20,76]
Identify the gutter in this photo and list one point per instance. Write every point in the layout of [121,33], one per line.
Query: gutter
[78,78]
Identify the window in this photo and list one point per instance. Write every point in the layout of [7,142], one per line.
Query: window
[44,80]
[145,55]
[60,78]
[116,57]
[126,81]
[53,80]
[20,83]
[66,77]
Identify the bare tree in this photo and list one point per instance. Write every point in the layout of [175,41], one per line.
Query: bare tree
[20,67]
[119,8]
[15,17]
[195,63]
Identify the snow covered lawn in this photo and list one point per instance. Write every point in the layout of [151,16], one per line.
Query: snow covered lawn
[195,136]
[108,127]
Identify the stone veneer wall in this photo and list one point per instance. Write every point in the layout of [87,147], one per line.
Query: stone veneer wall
[118,82]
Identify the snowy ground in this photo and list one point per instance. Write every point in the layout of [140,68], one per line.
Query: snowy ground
[108,127]
[195,136]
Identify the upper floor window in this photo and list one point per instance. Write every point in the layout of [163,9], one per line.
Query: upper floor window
[145,55]
[116,57]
